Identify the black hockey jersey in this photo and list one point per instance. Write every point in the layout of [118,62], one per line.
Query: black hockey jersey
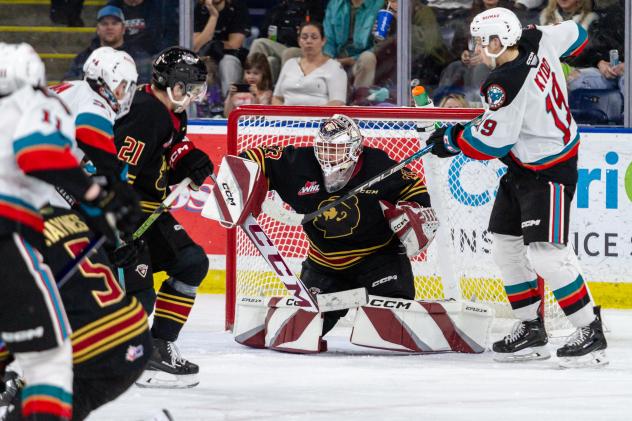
[142,139]
[109,328]
[348,233]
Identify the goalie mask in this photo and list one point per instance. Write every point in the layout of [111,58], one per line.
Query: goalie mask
[497,22]
[337,146]
[19,66]
[112,74]
[181,68]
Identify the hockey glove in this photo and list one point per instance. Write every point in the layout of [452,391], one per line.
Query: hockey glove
[116,207]
[414,225]
[126,255]
[185,160]
[443,141]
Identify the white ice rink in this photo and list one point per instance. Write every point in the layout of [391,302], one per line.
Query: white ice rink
[351,383]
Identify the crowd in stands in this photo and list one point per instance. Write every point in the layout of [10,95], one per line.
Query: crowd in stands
[325,52]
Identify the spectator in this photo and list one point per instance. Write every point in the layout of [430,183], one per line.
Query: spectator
[429,55]
[287,16]
[142,23]
[220,29]
[110,32]
[314,78]
[606,33]
[557,11]
[257,75]
[348,25]
[453,101]
[66,12]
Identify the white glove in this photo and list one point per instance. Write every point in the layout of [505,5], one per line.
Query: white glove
[414,225]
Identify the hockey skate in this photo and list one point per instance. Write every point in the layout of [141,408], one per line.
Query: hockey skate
[586,347]
[527,341]
[10,388]
[167,369]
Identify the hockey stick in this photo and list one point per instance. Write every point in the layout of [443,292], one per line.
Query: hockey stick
[381,176]
[72,266]
[164,206]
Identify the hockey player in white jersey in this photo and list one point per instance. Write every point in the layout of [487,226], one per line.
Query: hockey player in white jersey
[528,125]
[36,133]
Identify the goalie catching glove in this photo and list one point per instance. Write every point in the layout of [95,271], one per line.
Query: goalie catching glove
[185,160]
[414,225]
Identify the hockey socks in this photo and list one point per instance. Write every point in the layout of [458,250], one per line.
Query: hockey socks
[172,309]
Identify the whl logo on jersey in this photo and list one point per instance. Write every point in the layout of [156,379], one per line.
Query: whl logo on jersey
[310,187]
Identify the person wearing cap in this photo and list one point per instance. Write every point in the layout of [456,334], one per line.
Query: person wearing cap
[110,32]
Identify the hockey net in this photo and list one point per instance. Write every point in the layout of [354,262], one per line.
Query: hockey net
[457,265]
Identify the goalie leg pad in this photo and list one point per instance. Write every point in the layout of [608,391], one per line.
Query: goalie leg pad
[422,326]
[279,324]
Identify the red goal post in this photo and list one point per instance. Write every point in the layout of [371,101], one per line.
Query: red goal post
[457,265]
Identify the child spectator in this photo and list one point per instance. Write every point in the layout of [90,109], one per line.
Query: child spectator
[257,75]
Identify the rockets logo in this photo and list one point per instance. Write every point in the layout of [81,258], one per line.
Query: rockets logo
[496,96]
[310,187]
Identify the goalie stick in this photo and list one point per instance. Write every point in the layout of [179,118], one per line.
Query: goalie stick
[273,258]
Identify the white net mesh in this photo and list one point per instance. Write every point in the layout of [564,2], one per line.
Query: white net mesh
[457,265]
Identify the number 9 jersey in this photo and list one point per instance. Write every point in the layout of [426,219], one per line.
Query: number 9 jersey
[527,122]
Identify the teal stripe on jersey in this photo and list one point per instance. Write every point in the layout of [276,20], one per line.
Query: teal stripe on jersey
[52,291]
[94,120]
[39,139]
[570,145]
[16,201]
[482,147]
[581,38]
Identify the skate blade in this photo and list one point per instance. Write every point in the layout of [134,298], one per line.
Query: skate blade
[157,379]
[594,359]
[527,354]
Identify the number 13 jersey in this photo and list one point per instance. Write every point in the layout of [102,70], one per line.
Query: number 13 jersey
[527,122]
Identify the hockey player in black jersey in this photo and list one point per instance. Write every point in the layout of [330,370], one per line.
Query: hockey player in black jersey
[151,138]
[36,137]
[528,125]
[366,240]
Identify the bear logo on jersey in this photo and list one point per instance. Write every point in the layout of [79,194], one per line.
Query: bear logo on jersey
[496,96]
[339,221]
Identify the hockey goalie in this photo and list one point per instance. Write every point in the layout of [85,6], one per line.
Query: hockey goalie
[363,243]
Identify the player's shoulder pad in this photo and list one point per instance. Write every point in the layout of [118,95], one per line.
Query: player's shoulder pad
[45,112]
[505,82]
[377,159]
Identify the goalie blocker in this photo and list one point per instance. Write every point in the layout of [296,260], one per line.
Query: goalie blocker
[383,323]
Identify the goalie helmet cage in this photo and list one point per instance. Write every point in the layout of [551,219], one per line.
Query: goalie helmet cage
[457,265]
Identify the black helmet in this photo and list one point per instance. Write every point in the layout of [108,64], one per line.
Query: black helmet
[177,65]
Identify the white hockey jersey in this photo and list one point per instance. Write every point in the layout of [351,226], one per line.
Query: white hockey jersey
[527,120]
[36,132]
[94,121]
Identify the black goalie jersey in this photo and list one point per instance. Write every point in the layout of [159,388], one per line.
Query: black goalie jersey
[351,232]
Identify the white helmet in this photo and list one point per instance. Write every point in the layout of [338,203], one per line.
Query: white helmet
[19,66]
[499,22]
[108,68]
[337,146]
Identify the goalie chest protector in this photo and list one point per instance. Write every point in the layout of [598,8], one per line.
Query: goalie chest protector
[344,235]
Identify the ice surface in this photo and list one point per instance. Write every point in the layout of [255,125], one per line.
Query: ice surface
[353,383]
